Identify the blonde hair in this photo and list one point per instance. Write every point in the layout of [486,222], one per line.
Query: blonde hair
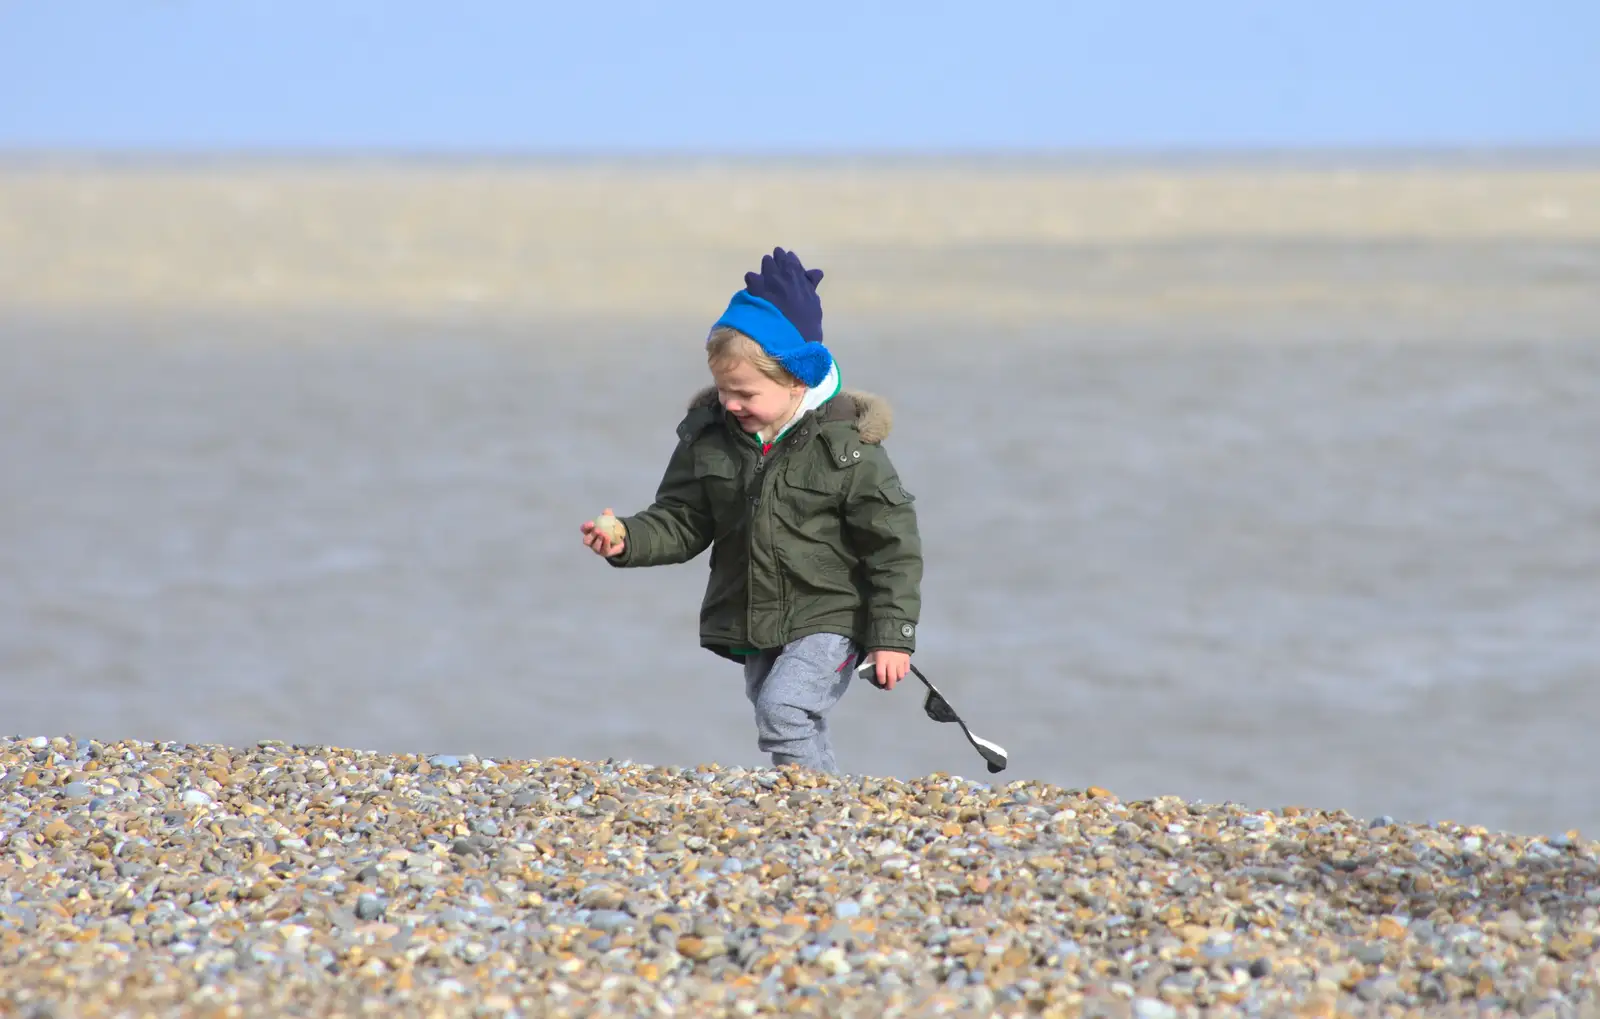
[727,345]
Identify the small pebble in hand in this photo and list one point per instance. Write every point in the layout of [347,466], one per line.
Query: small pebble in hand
[609,526]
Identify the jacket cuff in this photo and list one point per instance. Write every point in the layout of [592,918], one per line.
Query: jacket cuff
[892,635]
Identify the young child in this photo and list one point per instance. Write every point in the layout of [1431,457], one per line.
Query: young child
[815,555]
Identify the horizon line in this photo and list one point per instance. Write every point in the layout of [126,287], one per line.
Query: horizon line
[1319,156]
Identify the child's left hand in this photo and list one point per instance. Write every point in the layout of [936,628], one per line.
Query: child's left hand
[889,667]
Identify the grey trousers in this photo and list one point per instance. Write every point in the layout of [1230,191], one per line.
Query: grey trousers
[792,690]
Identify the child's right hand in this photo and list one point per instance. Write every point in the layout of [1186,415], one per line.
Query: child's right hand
[606,536]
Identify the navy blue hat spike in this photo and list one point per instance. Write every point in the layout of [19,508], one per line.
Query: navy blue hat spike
[780,310]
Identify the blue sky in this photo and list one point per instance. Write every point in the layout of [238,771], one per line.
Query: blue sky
[509,77]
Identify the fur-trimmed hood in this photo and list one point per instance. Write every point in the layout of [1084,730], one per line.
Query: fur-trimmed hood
[872,414]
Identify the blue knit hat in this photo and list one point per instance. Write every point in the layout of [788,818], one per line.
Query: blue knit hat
[780,310]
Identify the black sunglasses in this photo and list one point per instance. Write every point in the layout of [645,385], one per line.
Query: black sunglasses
[937,708]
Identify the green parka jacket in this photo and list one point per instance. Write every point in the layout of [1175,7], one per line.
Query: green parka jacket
[817,536]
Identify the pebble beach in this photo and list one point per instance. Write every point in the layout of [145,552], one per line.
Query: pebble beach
[178,879]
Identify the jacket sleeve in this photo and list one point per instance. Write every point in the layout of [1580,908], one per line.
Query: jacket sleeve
[881,522]
[677,526]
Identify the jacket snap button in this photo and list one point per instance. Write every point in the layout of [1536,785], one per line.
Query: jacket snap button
[844,459]
[906,629]
[856,454]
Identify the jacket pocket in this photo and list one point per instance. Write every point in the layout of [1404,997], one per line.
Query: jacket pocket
[810,498]
[718,474]
[895,495]
[714,463]
[816,559]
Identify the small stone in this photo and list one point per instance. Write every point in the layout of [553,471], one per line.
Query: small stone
[786,934]
[1381,988]
[76,791]
[834,961]
[601,897]
[1510,923]
[369,906]
[445,761]
[610,526]
[846,909]
[692,946]
[196,798]
[706,927]
[1547,975]
[609,920]
[1153,1008]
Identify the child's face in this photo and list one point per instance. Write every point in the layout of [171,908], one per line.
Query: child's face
[758,403]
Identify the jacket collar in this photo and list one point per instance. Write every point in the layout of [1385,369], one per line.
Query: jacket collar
[872,415]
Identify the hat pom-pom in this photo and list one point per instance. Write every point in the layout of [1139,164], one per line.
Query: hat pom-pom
[809,363]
